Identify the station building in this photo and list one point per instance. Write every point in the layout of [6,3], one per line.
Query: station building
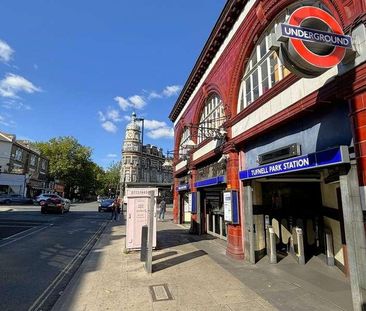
[270,134]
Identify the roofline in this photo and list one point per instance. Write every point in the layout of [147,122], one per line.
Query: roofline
[224,24]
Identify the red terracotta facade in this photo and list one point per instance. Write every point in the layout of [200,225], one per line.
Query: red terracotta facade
[224,80]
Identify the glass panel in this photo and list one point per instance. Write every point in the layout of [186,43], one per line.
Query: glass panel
[255,85]
[264,71]
[209,221]
[262,47]
[217,223]
[248,90]
[275,75]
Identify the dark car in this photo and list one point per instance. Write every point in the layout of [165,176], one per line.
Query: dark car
[105,205]
[15,199]
[56,205]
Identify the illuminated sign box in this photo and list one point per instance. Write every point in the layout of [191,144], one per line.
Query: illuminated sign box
[312,160]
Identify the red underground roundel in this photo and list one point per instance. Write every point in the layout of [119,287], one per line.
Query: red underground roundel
[315,41]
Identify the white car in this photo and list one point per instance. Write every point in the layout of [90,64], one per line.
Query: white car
[44,196]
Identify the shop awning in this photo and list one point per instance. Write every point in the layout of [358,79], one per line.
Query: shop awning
[210,182]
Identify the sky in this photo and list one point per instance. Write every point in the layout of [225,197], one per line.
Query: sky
[81,67]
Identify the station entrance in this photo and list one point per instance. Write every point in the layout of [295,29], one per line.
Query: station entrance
[303,212]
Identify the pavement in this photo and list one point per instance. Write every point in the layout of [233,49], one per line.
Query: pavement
[193,273]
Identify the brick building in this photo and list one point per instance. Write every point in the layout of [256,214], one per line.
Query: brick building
[272,124]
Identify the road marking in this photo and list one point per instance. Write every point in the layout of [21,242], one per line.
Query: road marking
[48,291]
[22,237]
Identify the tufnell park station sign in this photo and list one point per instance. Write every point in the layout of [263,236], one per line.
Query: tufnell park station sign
[319,159]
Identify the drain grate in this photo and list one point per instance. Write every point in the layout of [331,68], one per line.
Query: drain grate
[160,292]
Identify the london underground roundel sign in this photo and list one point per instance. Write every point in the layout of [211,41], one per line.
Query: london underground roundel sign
[313,41]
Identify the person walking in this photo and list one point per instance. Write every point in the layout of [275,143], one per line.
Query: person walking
[114,209]
[162,209]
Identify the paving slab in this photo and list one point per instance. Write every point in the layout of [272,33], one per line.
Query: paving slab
[198,275]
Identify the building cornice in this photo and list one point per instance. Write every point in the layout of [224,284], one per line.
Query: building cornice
[224,24]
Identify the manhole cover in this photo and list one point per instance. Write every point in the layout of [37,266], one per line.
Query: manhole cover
[160,292]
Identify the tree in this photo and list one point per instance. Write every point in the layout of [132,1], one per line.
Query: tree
[111,179]
[71,162]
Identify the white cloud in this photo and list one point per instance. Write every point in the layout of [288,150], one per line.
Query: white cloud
[6,122]
[6,52]
[109,126]
[158,129]
[154,124]
[171,90]
[137,101]
[13,84]
[111,155]
[122,102]
[113,115]
[153,95]
[12,104]
[163,132]
[102,117]
[127,118]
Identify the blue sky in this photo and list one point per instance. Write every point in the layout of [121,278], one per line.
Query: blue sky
[81,67]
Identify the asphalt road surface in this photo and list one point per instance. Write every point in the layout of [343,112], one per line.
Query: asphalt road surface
[39,253]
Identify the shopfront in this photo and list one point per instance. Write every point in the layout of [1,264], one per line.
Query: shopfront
[210,185]
[184,203]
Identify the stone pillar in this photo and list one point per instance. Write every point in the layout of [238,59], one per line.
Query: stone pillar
[353,191]
[234,232]
[355,236]
[195,221]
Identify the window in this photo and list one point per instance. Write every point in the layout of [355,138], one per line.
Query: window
[33,160]
[263,71]
[213,116]
[185,138]
[18,155]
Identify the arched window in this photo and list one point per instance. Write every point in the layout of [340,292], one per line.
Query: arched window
[185,138]
[213,116]
[263,70]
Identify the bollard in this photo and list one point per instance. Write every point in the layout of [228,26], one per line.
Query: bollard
[300,246]
[268,246]
[329,246]
[272,244]
[144,234]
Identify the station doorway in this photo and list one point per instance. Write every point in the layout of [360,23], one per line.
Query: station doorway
[212,213]
[287,204]
[294,205]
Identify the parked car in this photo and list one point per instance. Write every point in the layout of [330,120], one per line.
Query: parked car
[45,196]
[52,204]
[105,205]
[15,199]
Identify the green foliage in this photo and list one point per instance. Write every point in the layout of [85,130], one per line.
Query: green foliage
[71,162]
[111,179]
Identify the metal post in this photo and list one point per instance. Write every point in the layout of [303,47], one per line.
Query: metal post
[249,252]
[148,264]
[329,246]
[300,246]
[144,237]
[272,245]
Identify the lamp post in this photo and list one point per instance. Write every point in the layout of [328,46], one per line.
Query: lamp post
[142,120]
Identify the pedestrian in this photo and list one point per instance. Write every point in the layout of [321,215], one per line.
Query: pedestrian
[114,210]
[162,209]
[118,209]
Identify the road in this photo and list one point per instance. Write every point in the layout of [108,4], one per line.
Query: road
[39,253]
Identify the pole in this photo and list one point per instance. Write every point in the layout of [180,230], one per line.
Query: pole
[148,264]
